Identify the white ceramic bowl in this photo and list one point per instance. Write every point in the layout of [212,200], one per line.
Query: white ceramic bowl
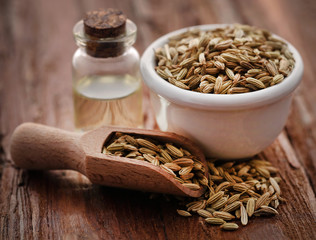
[225,126]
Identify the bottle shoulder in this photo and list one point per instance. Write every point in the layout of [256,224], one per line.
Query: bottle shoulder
[129,55]
[126,63]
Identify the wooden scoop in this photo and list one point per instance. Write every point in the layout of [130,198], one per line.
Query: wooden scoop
[35,146]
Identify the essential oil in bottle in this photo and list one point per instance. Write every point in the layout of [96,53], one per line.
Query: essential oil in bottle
[106,80]
[108,100]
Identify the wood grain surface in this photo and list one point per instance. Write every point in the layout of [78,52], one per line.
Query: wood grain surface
[36,47]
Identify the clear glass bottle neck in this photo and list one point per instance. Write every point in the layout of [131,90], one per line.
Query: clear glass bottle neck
[105,47]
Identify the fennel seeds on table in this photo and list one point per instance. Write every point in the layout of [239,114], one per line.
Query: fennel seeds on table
[236,191]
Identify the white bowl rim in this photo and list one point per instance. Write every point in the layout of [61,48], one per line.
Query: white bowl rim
[216,101]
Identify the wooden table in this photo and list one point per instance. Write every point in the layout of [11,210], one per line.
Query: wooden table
[35,85]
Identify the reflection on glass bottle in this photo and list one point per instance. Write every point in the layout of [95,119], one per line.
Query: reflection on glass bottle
[106,80]
[108,100]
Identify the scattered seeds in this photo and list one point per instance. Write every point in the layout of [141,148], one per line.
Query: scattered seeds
[265,211]
[233,198]
[184,213]
[222,186]
[215,221]
[234,190]
[237,213]
[250,207]
[243,215]
[204,213]
[215,197]
[250,194]
[220,203]
[275,185]
[232,207]
[261,201]
[192,186]
[223,215]
[229,226]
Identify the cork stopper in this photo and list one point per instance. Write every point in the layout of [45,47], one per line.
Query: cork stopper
[103,24]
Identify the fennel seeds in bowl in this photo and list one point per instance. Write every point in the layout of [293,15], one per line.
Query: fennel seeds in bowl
[230,60]
[178,162]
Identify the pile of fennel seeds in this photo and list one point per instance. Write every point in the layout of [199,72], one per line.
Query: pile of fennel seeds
[236,191]
[234,59]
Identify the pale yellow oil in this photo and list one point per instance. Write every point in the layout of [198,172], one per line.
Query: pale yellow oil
[108,100]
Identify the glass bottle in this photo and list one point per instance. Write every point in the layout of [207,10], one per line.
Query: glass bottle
[106,80]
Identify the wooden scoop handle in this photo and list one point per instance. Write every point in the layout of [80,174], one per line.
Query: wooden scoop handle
[35,146]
